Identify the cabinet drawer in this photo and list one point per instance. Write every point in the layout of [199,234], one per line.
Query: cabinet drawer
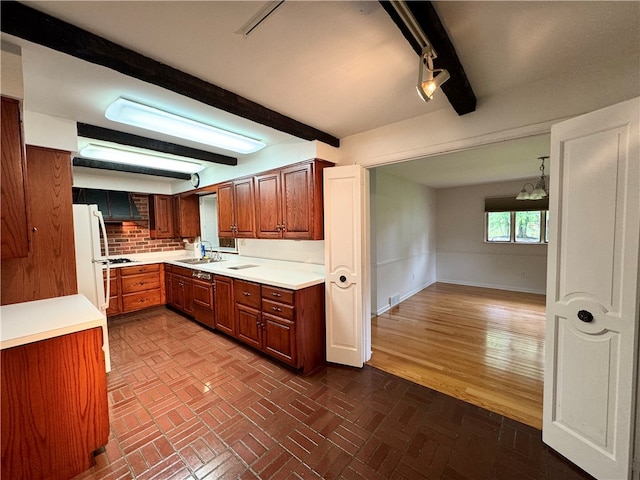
[138,269]
[247,293]
[138,283]
[278,309]
[277,294]
[137,301]
[185,272]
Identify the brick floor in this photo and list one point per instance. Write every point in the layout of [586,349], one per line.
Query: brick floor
[189,403]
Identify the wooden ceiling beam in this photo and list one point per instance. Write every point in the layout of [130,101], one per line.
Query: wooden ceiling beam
[35,26]
[457,89]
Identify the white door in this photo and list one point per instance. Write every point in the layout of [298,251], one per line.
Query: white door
[592,290]
[348,309]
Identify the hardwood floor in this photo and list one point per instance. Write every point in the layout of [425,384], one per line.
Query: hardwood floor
[480,345]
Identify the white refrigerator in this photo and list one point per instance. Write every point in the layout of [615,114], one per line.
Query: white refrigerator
[88,226]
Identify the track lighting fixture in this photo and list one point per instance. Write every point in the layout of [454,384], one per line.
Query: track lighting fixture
[429,79]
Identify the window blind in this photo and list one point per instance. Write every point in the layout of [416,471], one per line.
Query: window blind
[510,204]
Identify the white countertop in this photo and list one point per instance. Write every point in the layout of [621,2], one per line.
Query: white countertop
[29,322]
[277,273]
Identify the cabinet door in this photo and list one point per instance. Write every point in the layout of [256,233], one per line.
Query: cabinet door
[169,287]
[248,326]
[268,206]
[280,338]
[188,295]
[177,288]
[187,214]
[161,216]
[15,237]
[297,202]
[224,304]
[226,208]
[245,213]
[50,268]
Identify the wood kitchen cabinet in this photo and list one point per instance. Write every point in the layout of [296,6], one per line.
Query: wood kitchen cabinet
[181,290]
[236,212]
[142,286]
[247,312]
[49,269]
[174,216]
[15,237]
[224,304]
[187,216]
[55,411]
[289,202]
[161,216]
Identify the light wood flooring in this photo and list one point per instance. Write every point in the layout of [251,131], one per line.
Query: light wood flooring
[480,345]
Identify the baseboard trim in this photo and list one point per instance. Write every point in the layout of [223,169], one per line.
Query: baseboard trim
[387,307]
[497,287]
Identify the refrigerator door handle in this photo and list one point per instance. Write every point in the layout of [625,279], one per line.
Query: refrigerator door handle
[103,229]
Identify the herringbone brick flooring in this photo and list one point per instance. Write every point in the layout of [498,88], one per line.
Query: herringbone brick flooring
[188,403]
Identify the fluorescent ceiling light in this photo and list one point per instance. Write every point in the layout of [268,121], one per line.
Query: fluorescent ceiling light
[128,157]
[151,118]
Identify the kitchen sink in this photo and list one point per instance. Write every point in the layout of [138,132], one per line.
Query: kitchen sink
[198,261]
[242,267]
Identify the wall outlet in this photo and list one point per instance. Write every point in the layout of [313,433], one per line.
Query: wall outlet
[242,242]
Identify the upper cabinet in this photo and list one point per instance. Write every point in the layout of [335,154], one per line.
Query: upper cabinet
[236,217]
[49,269]
[187,216]
[289,202]
[161,216]
[15,238]
[174,216]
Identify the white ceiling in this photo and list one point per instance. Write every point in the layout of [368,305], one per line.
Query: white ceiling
[342,67]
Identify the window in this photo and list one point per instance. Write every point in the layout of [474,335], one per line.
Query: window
[512,221]
[517,227]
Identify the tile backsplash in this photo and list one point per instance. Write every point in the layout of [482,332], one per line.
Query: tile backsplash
[133,237]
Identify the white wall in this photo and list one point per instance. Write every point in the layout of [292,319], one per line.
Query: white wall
[403,224]
[463,257]
[305,251]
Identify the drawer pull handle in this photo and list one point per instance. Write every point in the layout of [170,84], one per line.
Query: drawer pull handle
[246,294]
[276,309]
[276,294]
[585,316]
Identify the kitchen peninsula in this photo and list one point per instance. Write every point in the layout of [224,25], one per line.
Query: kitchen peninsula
[274,306]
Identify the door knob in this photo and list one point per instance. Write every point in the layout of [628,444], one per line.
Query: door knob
[585,316]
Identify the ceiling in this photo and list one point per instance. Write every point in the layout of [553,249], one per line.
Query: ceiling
[342,67]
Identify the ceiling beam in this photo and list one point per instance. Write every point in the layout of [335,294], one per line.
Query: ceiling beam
[122,138]
[119,167]
[35,26]
[457,89]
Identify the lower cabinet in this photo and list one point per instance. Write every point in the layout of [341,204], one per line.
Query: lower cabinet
[247,312]
[142,286]
[224,304]
[181,290]
[134,288]
[286,324]
[54,404]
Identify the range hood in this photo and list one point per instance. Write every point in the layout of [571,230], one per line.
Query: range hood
[116,206]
